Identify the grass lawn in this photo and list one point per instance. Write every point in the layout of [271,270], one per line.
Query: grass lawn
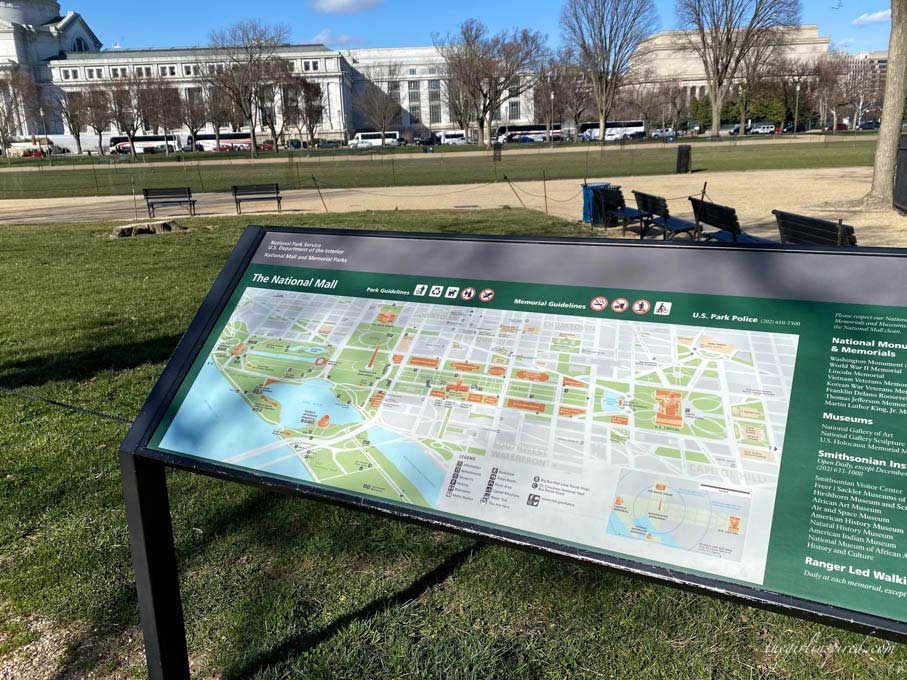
[448,168]
[279,587]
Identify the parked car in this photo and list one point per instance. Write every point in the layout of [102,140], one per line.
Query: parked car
[840,127]
[869,125]
[763,129]
[430,140]
[328,144]
[789,128]
[660,133]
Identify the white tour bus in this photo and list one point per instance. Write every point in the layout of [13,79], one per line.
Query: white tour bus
[362,139]
[145,144]
[614,130]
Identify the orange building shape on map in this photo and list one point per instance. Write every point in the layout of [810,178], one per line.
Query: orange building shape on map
[457,387]
[376,399]
[324,421]
[620,420]
[525,405]
[397,358]
[573,382]
[532,375]
[465,366]
[441,394]
[669,408]
[387,317]
[570,411]
[711,344]
[423,361]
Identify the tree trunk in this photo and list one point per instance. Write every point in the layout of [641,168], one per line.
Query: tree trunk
[78,140]
[217,137]
[602,125]
[882,190]
[742,131]
[101,143]
[488,132]
[254,150]
[717,101]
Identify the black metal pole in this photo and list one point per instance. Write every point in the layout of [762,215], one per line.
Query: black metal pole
[154,560]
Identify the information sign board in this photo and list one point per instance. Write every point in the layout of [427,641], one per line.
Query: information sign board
[727,418]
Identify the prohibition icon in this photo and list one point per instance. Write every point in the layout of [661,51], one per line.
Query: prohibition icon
[486,295]
[468,294]
[641,306]
[599,303]
[619,305]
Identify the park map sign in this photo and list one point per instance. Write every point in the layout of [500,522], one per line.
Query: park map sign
[733,419]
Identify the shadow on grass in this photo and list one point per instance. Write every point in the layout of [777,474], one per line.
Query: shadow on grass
[85,364]
[300,643]
[112,615]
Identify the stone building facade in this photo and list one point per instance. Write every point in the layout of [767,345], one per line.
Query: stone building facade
[61,51]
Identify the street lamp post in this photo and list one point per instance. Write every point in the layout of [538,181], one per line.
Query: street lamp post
[796,108]
[551,124]
[46,141]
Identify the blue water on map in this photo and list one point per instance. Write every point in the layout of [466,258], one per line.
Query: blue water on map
[609,401]
[214,422]
[616,527]
[314,397]
[274,355]
[416,465]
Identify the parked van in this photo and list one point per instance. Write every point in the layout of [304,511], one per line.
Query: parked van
[364,139]
[451,137]
[763,129]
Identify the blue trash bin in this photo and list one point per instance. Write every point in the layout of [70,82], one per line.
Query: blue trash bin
[587,199]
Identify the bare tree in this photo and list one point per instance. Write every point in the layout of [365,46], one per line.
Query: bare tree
[605,35]
[126,99]
[249,49]
[762,59]
[274,80]
[160,105]
[220,110]
[829,70]
[548,93]
[673,96]
[862,87]
[71,105]
[19,97]
[378,103]
[98,111]
[882,190]
[725,32]
[311,107]
[194,113]
[461,105]
[576,93]
[492,68]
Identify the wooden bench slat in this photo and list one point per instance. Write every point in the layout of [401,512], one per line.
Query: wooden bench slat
[804,230]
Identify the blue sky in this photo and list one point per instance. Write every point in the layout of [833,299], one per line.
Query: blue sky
[854,25]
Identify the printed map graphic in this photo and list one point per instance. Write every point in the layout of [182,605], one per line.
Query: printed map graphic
[381,397]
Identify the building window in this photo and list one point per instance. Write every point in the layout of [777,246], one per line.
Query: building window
[434,90]
[291,66]
[433,70]
[187,70]
[434,114]
[514,110]
[80,45]
[412,72]
[415,115]
[65,73]
[314,65]
[71,74]
[306,66]
[114,72]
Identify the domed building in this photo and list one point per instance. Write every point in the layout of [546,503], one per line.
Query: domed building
[32,32]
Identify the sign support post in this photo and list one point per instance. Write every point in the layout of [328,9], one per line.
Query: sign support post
[154,561]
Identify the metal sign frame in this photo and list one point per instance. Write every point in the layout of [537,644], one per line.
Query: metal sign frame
[147,502]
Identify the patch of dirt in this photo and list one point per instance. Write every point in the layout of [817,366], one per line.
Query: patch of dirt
[71,652]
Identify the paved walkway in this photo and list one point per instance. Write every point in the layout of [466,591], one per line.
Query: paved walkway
[830,193]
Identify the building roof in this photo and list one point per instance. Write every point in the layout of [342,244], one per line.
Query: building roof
[173,52]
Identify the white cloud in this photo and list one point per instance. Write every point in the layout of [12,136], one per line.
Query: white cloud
[327,37]
[879,17]
[343,6]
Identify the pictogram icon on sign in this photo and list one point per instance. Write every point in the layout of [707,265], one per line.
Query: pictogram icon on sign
[641,307]
[599,303]
[486,295]
[619,305]
[468,294]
